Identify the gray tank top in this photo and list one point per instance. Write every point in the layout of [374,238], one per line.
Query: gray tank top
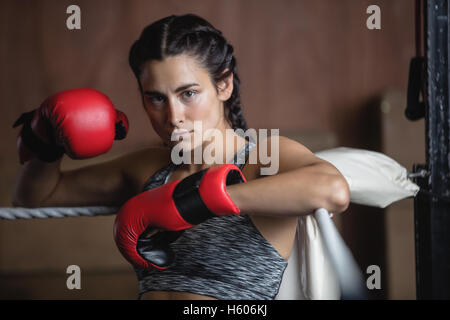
[223,257]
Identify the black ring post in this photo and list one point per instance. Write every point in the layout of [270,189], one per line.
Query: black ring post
[431,214]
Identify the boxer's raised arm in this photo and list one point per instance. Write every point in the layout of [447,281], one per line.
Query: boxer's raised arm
[41,184]
[82,123]
[109,183]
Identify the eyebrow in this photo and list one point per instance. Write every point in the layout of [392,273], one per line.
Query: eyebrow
[181,88]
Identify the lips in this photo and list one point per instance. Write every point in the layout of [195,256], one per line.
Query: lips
[180,135]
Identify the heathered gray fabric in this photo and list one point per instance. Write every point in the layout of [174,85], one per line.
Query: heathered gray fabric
[224,257]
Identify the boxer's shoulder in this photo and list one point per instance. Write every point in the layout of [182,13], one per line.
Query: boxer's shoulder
[139,165]
[279,153]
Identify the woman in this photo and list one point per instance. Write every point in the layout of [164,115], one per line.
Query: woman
[186,74]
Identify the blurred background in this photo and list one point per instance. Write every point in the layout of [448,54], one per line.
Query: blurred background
[310,68]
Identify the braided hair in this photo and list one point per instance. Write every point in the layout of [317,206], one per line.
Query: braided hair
[195,36]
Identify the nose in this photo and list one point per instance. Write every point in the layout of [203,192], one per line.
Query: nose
[175,114]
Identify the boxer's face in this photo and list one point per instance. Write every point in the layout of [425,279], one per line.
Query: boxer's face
[178,91]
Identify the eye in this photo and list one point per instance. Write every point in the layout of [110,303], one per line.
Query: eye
[156,99]
[189,94]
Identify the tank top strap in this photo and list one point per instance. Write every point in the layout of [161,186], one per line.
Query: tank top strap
[241,157]
[161,176]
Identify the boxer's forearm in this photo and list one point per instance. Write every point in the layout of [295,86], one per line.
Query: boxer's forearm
[35,182]
[293,193]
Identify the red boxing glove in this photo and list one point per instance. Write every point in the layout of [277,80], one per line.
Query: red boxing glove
[82,123]
[175,206]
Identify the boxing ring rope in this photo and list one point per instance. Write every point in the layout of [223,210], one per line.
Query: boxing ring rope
[55,212]
[374,180]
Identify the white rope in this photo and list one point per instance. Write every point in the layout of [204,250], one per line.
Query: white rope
[55,212]
[349,275]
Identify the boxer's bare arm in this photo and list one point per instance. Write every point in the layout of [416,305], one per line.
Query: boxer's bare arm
[41,184]
[34,182]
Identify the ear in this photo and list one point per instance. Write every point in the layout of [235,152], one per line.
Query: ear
[225,87]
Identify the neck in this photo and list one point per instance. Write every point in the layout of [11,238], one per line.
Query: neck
[215,150]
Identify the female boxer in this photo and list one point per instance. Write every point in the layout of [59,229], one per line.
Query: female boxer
[186,73]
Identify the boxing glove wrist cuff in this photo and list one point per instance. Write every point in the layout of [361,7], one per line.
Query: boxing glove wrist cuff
[43,151]
[121,127]
[196,205]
